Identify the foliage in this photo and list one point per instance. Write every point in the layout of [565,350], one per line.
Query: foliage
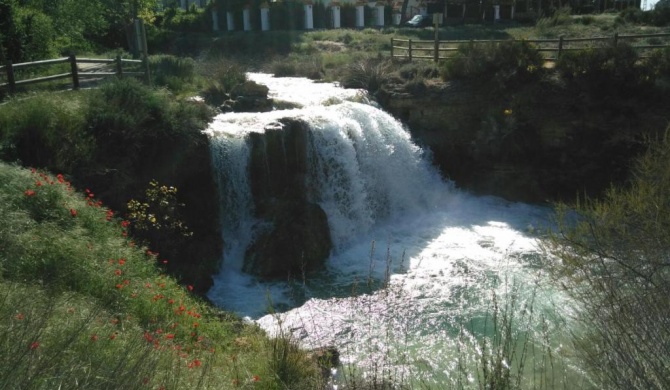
[129,121]
[613,256]
[562,16]
[604,69]
[659,16]
[46,132]
[82,304]
[222,76]
[367,73]
[27,34]
[191,21]
[497,63]
[156,219]
[297,66]
[175,73]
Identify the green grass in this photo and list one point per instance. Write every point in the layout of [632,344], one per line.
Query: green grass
[82,305]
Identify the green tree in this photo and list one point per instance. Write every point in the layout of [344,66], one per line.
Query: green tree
[615,261]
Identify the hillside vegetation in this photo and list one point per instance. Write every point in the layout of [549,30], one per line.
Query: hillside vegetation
[83,305]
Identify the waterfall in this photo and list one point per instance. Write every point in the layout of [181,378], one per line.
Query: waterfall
[440,253]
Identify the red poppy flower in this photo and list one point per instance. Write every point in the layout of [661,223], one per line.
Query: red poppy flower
[94,337]
[122,261]
[19,316]
[29,193]
[35,345]
[73,212]
[256,378]
[189,287]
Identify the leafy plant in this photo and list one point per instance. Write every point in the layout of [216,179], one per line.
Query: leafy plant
[613,261]
[499,63]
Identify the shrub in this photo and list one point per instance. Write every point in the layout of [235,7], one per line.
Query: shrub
[173,72]
[190,21]
[369,73]
[502,63]
[46,131]
[613,256]
[156,221]
[222,75]
[602,69]
[297,66]
[561,17]
[28,33]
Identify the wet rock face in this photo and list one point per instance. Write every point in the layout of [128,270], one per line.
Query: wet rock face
[293,238]
[294,243]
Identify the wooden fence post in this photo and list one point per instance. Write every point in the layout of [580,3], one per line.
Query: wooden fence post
[437,44]
[616,39]
[560,47]
[119,67]
[145,53]
[410,50]
[75,73]
[10,77]
[391,49]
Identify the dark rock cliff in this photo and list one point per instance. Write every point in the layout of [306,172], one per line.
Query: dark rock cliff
[540,142]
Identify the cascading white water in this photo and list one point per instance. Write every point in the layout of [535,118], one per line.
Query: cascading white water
[442,255]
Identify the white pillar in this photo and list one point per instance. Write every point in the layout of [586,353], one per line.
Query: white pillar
[423,10]
[512,13]
[336,16]
[246,20]
[496,13]
[182,4]
[396,18]
[215,19]
[360,16]
[265,18]
[309,17]
[380,15]
[230,21]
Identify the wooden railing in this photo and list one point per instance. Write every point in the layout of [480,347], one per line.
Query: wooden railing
[437,50]
[76,73]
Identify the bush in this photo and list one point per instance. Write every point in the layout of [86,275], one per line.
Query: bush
[46,131]
[297,66]
[175,73]
[561,17]
[222,75]
[602,69]
[370,74]
[500,63]
[614,263]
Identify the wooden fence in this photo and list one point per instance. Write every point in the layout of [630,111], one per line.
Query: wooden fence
[76,72]
[437,50]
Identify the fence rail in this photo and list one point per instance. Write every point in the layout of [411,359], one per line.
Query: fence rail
[76,72]
[437,50]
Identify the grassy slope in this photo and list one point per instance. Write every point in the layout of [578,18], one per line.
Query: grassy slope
[82,306]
